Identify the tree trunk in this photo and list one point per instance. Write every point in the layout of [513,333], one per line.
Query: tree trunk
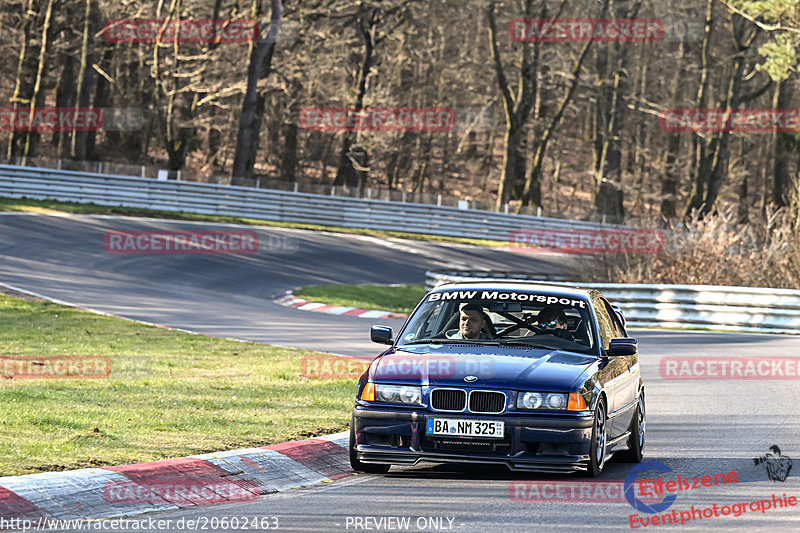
[349,157]
[531,192]
[513,163]
[743,209]
[253,104]
[782,145]
[65,98]
[743,36]
[102,99]
[289,152]
[639,165]
[607,193]
[22,84]
[80,144]
[391,170]
[702,164]
[671,173]
[669,180]
[215,139]
[516,107]
[37,98]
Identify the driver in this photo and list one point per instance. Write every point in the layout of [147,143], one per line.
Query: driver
[471,323]
[553,321]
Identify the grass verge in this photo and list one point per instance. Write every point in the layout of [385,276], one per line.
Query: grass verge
[170,394]
[395,298]
[53,206]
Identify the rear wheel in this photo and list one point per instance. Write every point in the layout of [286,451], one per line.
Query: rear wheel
[357,465]
[597,450]
[635,450]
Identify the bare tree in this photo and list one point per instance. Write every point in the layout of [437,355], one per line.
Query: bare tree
[253,104]
[607,193]
[22,83]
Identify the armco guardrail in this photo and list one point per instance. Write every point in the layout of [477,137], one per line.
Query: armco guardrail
[265,204]
[747,309]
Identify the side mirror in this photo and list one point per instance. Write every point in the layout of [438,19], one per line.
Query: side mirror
[622,346]
[381,334]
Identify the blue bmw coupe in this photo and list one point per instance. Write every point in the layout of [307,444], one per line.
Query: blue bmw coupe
[538,377]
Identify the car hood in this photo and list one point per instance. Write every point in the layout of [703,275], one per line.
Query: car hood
[504,367]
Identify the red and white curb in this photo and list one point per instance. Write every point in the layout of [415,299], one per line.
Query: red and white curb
[237,476]
[289,300]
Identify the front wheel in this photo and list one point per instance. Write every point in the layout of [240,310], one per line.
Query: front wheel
[597,450]
[357,465]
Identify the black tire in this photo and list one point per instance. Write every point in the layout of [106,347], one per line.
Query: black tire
[357,465]
[597,450]
[635,451]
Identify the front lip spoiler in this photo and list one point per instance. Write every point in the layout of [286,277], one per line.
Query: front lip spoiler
[535,421]
[554,465]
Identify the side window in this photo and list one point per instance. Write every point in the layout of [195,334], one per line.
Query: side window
[429,322]
[604,322]
[618,330]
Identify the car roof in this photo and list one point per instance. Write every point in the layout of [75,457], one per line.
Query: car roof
[516,285]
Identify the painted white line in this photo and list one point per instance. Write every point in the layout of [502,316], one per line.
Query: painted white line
[375,314]
[310,306]
[339,310]
[145,218]
[98,312]
[288,301]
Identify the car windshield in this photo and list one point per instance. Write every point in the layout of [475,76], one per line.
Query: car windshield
[550,321]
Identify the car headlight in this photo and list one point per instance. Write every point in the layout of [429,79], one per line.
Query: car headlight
[398,394]
[542,400]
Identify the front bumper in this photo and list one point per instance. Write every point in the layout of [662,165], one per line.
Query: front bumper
[536,443]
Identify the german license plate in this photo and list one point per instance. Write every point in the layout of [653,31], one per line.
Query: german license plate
[460,427]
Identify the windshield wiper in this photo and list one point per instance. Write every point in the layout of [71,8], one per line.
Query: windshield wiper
[582,351]
[436,341]
[527,345]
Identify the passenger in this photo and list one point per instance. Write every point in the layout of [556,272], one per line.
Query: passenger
[553,321]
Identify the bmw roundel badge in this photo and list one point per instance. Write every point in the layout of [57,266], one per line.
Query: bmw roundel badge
[470,379]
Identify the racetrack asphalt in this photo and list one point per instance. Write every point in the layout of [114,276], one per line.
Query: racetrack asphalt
[229,295]
[696,428]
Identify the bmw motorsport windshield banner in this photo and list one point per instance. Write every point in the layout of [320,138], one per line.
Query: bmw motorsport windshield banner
[545,299]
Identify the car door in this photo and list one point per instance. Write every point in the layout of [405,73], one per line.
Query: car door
[616,371]
[628,387]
